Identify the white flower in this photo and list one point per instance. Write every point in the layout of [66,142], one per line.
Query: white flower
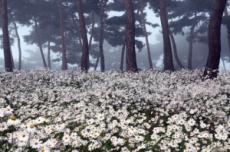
[191,122]
[66,139]
[3,126]
[139,138]
[100,117]
[31,128]
[2,113]
[39,120]
[13,121]
[8,110]
[35,143]
[23,136]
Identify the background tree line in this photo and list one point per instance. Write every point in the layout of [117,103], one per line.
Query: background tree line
[80,29]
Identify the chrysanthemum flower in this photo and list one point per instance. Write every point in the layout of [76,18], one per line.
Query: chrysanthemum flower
[13,121]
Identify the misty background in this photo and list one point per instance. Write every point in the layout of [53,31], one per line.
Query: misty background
[31,56]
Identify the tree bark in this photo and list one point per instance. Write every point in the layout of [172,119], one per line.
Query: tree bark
[64,59]
[228,27]
[131,64]
[101,39]
[6,40]
[92,30]
[85,52]
[19,43]
[214,42]
[175,50]
[146,35]
[168,61]
[39,42]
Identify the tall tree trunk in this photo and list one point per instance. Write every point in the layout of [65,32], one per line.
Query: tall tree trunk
[64,59]
[19,43]
[92,30]
[146,35]
[39,42]
[85,52]
[131,64]
[101,38]
[214,42]
[6,40]
[224,66]
[96,64]
[168,60]
[175,50]
[48,47]
[191,37]
[122,57]
[228,27]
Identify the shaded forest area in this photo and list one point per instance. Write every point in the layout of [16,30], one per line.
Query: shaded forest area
[82,31]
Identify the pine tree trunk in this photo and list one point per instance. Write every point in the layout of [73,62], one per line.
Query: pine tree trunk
[228,27]
[64,59]
[175,50]
[92,31]
[122,57]
[19,43]
[101,38]
[6,40]
[96,64]
[168,60]
[48,47]
[39,42]
[85,52]
[146,35]
[131,64]
[214,42]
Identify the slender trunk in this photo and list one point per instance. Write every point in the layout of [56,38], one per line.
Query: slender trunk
[214,42]
[39,42]
[168,61]
[224,66]
[191,47]
[96,64]
[64,58]
[228,27]
[85,52]
[92,30]
[6,40]
[101,38]
[175,50]
[146,35]
[131,64]
[122,57]
[19,43]
[48,48]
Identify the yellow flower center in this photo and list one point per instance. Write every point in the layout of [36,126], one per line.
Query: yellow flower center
[31,126]
[13,118]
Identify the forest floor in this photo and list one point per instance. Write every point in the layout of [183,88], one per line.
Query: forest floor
[149,111]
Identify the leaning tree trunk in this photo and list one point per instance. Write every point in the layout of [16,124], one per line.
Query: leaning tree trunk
[6,40]
[64,58]
[39,42]
[19,43]
[131,64]
[48,47]
[214,42]
[175,50]
[146,35]
[85,52]
[168,60]
[101,38]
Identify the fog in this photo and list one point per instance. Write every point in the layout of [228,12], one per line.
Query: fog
[31,56]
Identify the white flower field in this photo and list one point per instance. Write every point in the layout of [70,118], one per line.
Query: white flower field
[149,111]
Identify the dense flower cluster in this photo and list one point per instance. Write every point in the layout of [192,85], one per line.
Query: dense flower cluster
[150,111]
